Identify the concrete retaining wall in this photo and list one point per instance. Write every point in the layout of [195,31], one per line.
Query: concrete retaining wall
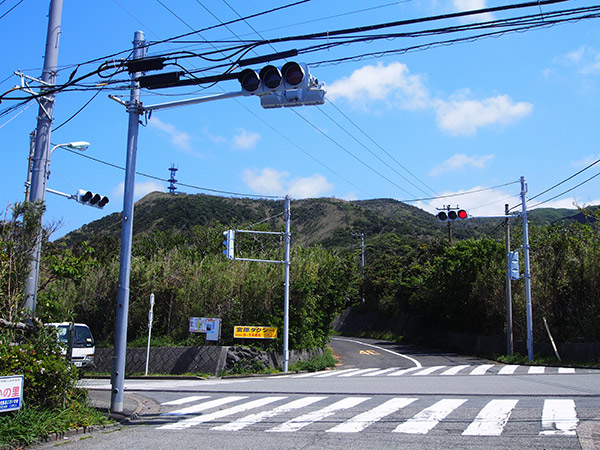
[205,360]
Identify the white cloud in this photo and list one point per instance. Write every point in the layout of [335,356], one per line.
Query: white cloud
[469,5]
[391,82]
[461,116]
[269,181]
[458,115]
[140,189]
[459,161]
[245,139]
[178,138]
[585,60]
[309,187]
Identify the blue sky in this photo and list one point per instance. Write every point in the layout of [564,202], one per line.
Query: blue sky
[409,126]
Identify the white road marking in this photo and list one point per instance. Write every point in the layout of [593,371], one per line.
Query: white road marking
[306,419]
[380,372]
[566,370]
[454,370]
[536,370]
[204,406]
[402,372]
[336,373]
[182,401]
[362,421]
[559,417]
[508,370]
[414,361]
[492,419]
[428,371]
[196,420]
[482,369]
[423,422]
[258,417]
[360,372]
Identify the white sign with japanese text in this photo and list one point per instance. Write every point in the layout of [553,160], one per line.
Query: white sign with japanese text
[11,393]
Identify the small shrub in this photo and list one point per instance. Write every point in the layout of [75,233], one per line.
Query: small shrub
[47,375]
[315,363]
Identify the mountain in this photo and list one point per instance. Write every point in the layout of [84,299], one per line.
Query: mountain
[326,221]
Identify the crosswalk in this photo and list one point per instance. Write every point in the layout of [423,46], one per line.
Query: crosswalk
[465,369]
[354,414]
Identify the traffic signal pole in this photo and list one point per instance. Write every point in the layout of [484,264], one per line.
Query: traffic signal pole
[134,108]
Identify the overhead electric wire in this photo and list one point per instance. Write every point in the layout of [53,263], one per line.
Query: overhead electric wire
[459,194]
[153,177]
[6,13]
[562,182]
[565,192]
[382,149]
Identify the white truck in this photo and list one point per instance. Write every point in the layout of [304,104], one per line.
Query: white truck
[83,349]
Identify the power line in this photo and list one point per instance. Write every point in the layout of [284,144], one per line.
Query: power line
[153,177]
[382,149]
[567,191]
[562,182]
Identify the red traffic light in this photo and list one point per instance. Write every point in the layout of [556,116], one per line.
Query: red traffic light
[452,215]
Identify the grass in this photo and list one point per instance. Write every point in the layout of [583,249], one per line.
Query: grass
[30,424]
[539,360]
[316,363]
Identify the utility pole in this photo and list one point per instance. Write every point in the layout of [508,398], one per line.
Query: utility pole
[134,108]
[362,262]
[286,295]
[509,332]
[41,157]
[527,274]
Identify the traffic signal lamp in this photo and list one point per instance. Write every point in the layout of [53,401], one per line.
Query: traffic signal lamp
[229,243]
[513,265]
[452,215]
[91,199]
[290,76]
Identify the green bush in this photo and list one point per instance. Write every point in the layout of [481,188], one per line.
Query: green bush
[47,375]
[315,363]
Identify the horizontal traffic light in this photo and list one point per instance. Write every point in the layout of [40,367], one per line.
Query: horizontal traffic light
[91,199]
[290,76]
[452,215]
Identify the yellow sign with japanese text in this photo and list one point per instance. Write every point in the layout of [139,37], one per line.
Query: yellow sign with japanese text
[243,331]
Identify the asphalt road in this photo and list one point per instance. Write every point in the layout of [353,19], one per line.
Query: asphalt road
[382,396]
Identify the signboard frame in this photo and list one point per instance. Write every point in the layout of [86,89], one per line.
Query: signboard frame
[11,393]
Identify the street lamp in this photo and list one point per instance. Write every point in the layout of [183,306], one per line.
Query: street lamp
[77,145]
[37,180]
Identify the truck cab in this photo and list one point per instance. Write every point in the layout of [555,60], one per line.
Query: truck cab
[83,343]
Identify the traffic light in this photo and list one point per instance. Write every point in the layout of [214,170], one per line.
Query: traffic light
[452,215]
[91,199]
[229,243]
[513,265]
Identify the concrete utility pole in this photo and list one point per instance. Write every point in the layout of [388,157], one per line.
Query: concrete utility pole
[362,262]
[41,154]
[509,332]
[527,274]
[134,108]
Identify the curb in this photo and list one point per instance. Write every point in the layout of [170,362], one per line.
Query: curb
[120,420]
